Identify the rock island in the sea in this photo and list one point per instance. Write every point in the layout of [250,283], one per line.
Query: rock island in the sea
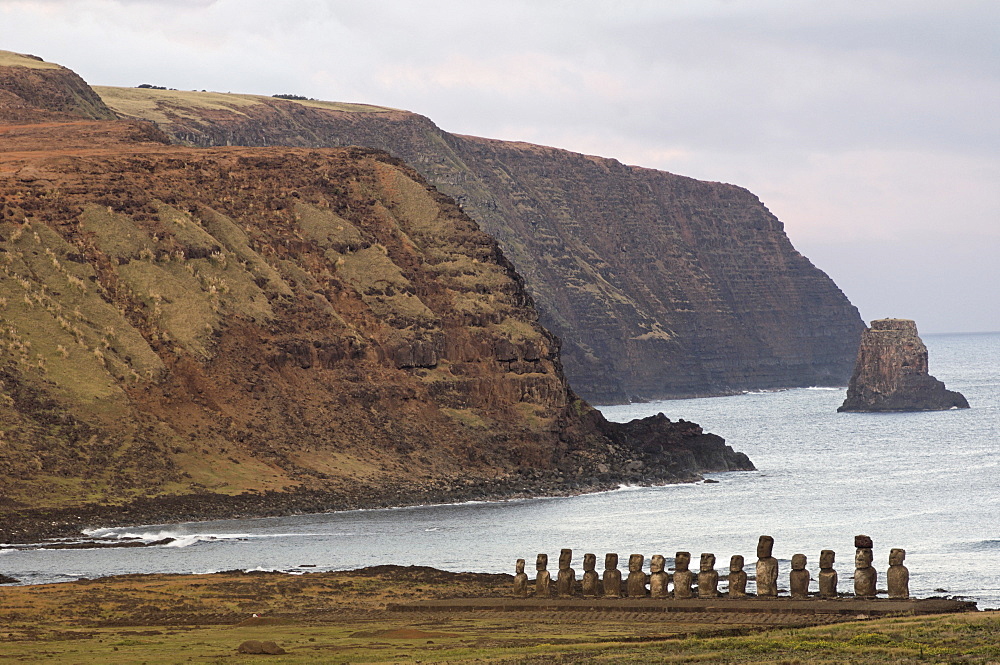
[891,373]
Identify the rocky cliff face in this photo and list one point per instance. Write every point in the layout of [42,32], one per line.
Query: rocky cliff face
[32,89]
[658,285]
[891,373]
[205,332]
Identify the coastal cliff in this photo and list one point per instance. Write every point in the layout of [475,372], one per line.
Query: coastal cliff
[658,285]
[193,333]
[30,86]
[892,373]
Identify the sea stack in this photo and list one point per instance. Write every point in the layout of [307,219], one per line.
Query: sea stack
[891,373]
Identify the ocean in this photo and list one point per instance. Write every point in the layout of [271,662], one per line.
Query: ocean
[925,482]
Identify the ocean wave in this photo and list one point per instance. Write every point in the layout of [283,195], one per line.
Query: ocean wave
[823,388]
[186,539]
[630,488]
[176,538]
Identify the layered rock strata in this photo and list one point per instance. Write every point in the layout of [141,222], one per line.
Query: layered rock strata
[658,285]
[891,373]
[218,332]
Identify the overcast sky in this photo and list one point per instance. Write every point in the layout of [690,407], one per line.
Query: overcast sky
[871,129]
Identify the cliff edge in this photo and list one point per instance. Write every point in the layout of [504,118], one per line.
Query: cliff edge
[658,285]
[891,373]
[191,333]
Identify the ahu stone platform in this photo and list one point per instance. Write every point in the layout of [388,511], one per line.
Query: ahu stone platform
[685,591]
[844,607]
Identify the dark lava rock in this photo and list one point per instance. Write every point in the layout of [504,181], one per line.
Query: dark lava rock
[891,373]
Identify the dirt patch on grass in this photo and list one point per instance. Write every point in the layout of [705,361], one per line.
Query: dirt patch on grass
[402,634]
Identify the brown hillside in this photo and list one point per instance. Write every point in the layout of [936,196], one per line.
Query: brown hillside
[28,82]
[658,285]
[293,328]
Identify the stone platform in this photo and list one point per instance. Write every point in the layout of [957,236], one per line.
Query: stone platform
[844,607]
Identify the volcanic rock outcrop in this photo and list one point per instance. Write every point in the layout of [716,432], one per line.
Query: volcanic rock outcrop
[657,284]
[193,332]
[891,373]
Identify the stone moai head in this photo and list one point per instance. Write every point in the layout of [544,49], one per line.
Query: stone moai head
[707,563]
[798,562]
[657,563]
[863,558]
[589,562]
[764,546]
[896,556]
[519,566]
[565,558]
[826,558]
[610,561]
[682,560]
[635,562]
[736,563]
[542,562]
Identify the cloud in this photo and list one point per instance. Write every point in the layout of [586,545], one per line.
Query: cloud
[856,122]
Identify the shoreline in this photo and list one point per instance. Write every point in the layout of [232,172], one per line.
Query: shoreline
[32,526]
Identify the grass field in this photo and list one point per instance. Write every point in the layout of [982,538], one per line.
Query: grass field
[341,617]
[11,59]
[150,104]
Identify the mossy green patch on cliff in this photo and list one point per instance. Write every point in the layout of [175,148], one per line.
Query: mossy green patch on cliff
[55,306]
[328,229]
[515,330]
[235,239]
[466,417]
[176,303]
[182,274]
[115,234]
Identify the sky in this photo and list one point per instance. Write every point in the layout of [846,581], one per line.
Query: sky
[871,129]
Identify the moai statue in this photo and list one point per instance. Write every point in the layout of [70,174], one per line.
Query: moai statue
[612,583]
[827,575]
[708,579]
[798,579]
[683,577]
[567,576]
[898,577]
[520,580]
[590,578]
[658,578]
[767,568]
[636,578]
[543,581]
[865,577]
[737,577]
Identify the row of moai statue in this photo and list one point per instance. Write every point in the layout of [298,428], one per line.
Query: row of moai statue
[705,584]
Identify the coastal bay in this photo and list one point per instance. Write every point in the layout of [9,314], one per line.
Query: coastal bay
[917,481]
